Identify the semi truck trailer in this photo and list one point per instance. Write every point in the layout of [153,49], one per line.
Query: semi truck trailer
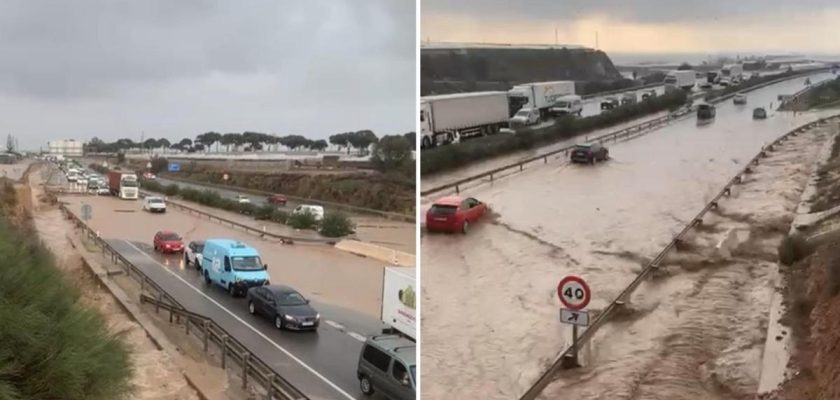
[684,80]
[450,117]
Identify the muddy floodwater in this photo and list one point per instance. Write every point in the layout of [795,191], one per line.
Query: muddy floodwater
[490,311]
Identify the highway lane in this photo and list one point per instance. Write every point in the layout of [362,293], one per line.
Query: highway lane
[498,283]
[322,364]
[393,234]
[320,272]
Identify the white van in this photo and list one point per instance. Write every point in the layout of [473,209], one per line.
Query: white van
[567,105]
[154,204]
[316,211]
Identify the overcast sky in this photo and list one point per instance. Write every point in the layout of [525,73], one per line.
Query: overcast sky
[174,69]
[641,25]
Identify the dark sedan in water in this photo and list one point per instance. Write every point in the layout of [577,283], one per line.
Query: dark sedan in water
[284,305]
[589,153]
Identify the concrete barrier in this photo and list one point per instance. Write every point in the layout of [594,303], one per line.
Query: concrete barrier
[384,254]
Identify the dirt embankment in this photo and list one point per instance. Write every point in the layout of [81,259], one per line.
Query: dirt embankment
[370,190]
[813,297]
[475,69]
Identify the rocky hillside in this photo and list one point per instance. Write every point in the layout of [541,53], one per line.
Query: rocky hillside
[449,70]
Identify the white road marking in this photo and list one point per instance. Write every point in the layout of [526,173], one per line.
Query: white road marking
[334,324]
[299,361]
[357,336]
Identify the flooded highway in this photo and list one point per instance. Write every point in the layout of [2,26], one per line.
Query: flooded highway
[496,286]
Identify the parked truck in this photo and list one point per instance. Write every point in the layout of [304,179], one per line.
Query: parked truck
[450,117]
[538,95]
[684,80]
[733,72]
[123,184]
[399,298]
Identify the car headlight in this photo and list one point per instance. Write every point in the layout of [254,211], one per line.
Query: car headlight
[317,316]
[289,317]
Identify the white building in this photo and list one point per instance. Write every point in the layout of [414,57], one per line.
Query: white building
[67,148]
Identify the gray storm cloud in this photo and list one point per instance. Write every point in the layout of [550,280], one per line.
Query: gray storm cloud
[628,10]
[178,68]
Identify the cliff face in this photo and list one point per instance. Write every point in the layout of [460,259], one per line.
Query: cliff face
[471,69]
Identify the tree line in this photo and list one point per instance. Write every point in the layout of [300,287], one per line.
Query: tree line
[253,141]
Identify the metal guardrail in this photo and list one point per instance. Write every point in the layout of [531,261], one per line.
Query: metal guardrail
[346,207]
[283,238]
[624,296]
[646,127]
[619,91]
[275,386]
[802,91]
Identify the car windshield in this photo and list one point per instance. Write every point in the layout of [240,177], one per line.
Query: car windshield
[169,236]
[290,299]
[561,104]
[704,107]
[441,209]
[129,183]
[156,200]
[413,373]
[584,147]
[522,113]
[246,263]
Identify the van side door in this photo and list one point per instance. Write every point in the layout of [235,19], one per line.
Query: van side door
[227,271]
[401,381]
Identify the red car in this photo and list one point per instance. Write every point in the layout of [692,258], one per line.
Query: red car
[454,214]
[277,199]
[168,242]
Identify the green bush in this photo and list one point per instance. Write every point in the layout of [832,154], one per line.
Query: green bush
[793,249]
[170,190]
[51,346]
[266,212]
[304,220]
[448,157]
[336,224]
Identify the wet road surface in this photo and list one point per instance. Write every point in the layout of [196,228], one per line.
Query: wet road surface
[396,235]
[318,271]
[322,364]
[496,286]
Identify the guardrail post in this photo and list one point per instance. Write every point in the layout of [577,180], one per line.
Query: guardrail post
[520,167]
[187,325]
[224,350]
[206,334]
[143,285]
[157,304]
[491,177]
[457,189]
[246,359]
[269,390]
[170,314]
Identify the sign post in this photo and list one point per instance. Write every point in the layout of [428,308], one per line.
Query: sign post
[574,293]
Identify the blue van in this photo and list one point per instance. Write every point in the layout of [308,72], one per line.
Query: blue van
[233,265]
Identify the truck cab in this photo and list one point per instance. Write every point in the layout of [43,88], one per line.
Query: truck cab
[427,135]
[233,265]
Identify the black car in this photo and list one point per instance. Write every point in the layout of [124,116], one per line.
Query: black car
[589,153]
[705,111]
[288,308]
[609,103]
[759,113]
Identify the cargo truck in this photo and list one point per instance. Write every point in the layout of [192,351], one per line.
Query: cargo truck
[684,80]
[123,184]
[733,72]
[450,117]
[399,298]
[538,95]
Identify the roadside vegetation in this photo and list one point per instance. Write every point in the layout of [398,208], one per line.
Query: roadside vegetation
[334,224]
[448,157]
[51,346]
[823,96]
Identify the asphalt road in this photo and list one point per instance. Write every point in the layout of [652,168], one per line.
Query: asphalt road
[322,364]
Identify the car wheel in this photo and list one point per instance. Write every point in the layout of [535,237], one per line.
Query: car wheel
[197,264]
[592,160]
[251,308]
[186,259]
[278,322]
[206,277]
[365,385]
[465,227]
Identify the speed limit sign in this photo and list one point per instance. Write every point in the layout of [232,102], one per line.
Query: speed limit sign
[574,293]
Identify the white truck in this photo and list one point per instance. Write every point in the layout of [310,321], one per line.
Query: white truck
[733,73]
[684,80]
[399,299]
[449,117]
[539,95]
[123,184]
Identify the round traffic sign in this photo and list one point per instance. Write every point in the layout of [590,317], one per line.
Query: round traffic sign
[574,293]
